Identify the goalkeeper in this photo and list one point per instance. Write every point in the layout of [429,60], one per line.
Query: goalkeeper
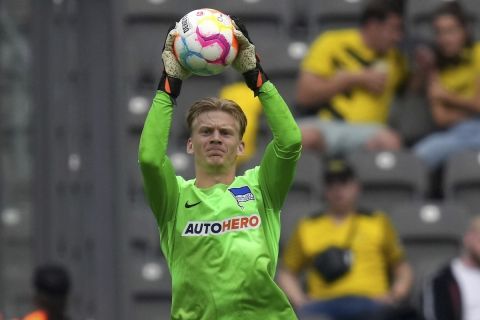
[219,232]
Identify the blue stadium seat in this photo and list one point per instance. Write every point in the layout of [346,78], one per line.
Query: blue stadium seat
[389,178]
[462,179]
[431,233]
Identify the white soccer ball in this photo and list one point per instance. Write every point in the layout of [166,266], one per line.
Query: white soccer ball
[205,44]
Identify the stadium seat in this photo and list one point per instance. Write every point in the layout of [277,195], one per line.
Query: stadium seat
[143,68]
[304,197]
[411,117]
[194,88]
[462,179]
[142,227]
[151,309]
[148,275]
[388,178]
[431,233]
[263,18]
[16,225]
[328,14]
[283,68]
[167,11]
[419,12]
[16,278]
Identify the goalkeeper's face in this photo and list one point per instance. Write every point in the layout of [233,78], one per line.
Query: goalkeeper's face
[215,141]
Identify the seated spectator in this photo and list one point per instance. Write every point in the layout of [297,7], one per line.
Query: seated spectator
[242,95]
[52,286]
[361,243]
[454,291]
[350,78]
[453,88]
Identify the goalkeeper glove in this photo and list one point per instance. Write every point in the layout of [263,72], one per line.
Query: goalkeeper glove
[247,62]
[173,73]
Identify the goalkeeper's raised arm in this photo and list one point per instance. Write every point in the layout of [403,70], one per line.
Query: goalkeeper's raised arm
[278,163]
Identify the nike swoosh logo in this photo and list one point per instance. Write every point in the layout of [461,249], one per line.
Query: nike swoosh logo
[187,205]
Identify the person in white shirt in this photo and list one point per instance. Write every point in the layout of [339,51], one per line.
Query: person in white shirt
[454,291]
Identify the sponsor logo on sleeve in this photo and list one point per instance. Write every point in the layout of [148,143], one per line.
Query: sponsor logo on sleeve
[233,224]
[242,194]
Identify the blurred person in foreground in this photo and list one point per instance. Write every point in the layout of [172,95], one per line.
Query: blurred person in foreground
[219,232]
[348,255]
[51,285]
[350,77]
[453,293]
[453,88]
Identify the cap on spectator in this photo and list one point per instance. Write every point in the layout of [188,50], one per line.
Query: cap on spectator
[338,170]
[51,280]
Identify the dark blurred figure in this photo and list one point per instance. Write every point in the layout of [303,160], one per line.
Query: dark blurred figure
[52,286]
[453,87]
[454,291]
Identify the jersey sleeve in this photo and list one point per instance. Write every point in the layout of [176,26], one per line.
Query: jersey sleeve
[394,251]
[319,57]
[160,182]
[277,167]
[294,257]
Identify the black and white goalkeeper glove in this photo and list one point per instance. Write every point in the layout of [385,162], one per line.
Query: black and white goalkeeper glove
[173,73]
[247,61]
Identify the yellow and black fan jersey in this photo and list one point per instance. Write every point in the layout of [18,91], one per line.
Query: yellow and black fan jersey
[345,50]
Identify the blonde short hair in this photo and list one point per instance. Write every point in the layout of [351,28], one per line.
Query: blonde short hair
[217,104]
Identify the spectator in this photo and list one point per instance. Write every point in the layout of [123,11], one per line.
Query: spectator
[454,291]
[52,286]
[350,77]
[453,88]
[363,291]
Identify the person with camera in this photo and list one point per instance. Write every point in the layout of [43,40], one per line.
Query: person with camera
[348,254]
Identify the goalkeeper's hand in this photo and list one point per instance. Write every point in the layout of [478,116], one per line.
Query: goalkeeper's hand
[247,61]
[173,73]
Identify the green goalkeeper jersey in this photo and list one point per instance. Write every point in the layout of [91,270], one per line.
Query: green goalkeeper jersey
[221,243]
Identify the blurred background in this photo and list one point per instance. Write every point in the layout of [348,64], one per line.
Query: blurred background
[76,81]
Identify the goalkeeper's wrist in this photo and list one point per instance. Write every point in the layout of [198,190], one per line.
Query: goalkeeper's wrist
[170,85]
[255,78]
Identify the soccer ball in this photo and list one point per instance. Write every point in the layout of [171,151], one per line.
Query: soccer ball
[205,44]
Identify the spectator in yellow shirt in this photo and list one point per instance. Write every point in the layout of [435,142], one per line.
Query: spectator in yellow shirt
[362,244]
[351,76]
[453,88]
